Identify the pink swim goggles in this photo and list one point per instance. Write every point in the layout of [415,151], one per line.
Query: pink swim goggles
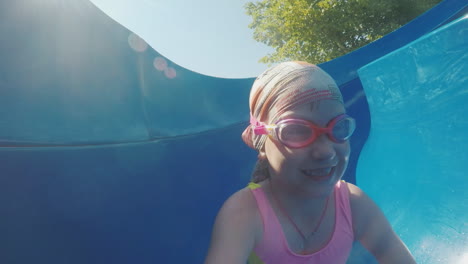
[299,133]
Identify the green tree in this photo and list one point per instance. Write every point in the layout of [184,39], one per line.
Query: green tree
[320,30]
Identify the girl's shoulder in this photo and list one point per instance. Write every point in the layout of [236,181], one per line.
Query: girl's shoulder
[363,209]
[354,191]
[373,229]
[243,206]
[242,200]
[357,197]
[235,229]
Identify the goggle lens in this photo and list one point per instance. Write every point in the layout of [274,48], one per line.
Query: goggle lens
[297,133]
[343,129]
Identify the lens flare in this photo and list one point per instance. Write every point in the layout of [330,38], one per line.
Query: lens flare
[170,73]
[160,63]
[137,43]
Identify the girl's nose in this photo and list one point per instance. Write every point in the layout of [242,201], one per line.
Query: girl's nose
[322,148]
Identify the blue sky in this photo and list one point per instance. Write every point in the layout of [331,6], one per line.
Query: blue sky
[206,36]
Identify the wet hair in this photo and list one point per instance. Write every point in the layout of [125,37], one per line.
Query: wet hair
[260,171]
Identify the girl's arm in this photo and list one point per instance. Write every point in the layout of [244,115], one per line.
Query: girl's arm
[373,230]
[234,231]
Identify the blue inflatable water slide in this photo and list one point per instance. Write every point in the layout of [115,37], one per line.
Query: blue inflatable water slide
[112,153]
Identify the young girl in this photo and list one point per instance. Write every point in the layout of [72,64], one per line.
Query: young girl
[297,209]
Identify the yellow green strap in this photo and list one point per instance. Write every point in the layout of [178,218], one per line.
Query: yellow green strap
[254,259]
[253,185]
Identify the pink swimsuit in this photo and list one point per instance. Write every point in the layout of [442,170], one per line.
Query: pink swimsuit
[273,249]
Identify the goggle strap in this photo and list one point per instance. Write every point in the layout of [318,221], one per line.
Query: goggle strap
[258,128]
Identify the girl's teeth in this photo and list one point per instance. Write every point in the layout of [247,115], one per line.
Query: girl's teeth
[318,172]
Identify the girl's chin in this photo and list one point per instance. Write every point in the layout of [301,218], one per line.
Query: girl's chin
[320,190]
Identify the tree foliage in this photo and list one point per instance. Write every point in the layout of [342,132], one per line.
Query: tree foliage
[320,30]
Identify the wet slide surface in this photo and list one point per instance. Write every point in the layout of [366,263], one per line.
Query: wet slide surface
[93,168]
[414,163]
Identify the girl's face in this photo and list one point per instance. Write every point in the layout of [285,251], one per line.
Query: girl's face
[317,167]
